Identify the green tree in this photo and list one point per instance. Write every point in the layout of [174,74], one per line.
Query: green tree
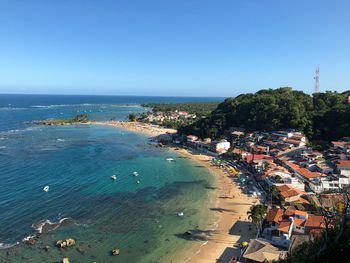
[257,214]
[132,117]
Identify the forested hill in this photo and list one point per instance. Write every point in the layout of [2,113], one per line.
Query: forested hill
[323,116]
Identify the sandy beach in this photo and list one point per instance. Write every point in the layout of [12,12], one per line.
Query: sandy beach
[139,127]
[231,210]
[231,204]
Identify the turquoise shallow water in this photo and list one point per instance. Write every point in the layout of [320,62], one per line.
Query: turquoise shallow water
[77,162]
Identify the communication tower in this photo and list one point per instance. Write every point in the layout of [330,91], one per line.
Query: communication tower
[317,80]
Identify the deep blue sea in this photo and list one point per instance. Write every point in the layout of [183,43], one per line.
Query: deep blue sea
[137,214]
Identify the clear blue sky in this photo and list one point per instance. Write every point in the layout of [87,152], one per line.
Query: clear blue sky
[181,47]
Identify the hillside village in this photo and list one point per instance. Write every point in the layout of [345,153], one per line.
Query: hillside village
[300,187]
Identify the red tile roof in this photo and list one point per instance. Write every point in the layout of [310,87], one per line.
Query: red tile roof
[257,157]
[294,142]
[297,137]
[303,171]
[299,222]
[315,221]
[343,163]
[287,191]
[283,188]
[284,226]
[308,174]
[341,143]
[293,212]
[274,215]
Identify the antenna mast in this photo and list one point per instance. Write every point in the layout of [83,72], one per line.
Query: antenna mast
[317,80]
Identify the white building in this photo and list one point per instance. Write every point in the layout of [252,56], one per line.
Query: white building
[318,185]
[343,167]
[192,138]
[222,146]
[283,134]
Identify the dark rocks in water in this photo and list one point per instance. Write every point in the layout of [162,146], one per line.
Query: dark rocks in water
[198,235]
[31,241]
[66,221]
[115,252]
[26,257]
[81,249]
[46,248]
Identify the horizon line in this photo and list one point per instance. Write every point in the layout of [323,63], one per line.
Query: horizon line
[111,95]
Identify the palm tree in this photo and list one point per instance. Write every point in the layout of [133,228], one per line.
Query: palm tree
[257,214]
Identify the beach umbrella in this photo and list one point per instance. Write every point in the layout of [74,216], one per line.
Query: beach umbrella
[244,244]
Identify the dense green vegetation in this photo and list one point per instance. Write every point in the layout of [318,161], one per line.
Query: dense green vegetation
[198,108]
[331,118]
[81,118]
[323,116]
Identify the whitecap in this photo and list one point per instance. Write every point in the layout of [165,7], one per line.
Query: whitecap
[60,140]
[27,238]
[10,109]
[50,106]
[62,105]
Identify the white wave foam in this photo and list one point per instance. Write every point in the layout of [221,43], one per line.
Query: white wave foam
[10,109]
[13,131]
[61,105]
[2,147]
[60,140]
[28,238]
[5,246]
[4,134]
[53,225]
[51,106]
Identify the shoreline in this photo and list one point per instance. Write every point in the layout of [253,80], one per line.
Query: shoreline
[138,127]
[231,205]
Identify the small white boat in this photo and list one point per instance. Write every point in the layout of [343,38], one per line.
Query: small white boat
[170,159]
[135,173]
[46,188]
[180,214]
[137,182]
[114,177]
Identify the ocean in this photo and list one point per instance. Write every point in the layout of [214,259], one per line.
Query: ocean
[137,214]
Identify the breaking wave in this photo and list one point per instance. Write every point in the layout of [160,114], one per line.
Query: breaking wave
[45,226]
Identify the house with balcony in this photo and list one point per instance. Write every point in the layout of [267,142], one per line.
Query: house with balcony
[280,225]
